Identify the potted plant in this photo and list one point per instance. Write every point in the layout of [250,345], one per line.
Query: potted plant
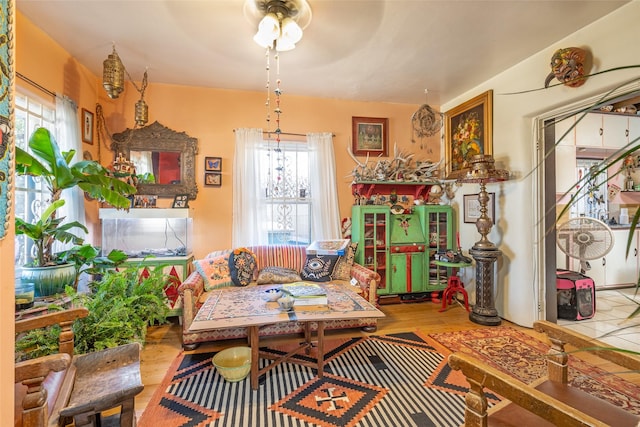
[55,167]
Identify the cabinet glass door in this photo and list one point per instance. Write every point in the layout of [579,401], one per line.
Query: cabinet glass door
[375,243]
[439,224]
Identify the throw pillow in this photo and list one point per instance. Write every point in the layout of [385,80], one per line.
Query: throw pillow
[214,271]
[242,265]
[274,274]
[318,268]
[342,271]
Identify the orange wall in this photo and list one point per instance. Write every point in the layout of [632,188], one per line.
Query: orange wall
[210,115]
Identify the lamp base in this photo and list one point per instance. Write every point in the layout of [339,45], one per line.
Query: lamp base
[484,312]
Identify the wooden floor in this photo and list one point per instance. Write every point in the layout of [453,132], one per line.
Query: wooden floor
[163,342]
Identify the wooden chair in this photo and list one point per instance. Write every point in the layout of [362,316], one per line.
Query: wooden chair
[63,389]
[549,401]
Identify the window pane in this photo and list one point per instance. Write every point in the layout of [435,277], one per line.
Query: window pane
[30,192]
[285,179]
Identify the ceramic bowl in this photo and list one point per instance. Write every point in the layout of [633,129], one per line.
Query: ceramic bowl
[234,363]
[272,294]
[286,303]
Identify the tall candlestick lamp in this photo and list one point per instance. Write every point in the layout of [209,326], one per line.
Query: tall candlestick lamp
[484,251]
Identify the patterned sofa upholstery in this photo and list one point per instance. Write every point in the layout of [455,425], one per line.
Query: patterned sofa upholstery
[193,296]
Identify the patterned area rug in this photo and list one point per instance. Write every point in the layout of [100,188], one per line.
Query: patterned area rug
[399,380]
[522,356]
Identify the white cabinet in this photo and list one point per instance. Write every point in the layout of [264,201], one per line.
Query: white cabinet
[634,130]
[619,268]
[605,130]
[589,131]
[565,168]
[615,131]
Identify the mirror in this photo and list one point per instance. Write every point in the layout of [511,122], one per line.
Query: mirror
[164,155]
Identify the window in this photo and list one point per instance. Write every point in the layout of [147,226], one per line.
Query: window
[284,175]
[30,193]
[285,194]
[591,200]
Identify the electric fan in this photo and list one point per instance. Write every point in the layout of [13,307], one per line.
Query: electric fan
[584,239]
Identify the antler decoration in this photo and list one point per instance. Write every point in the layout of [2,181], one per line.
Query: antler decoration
[401,168]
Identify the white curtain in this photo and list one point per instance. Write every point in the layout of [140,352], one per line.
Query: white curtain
[247,227]
[68,137]
[323,187]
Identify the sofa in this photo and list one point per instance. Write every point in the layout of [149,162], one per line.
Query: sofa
[192,291]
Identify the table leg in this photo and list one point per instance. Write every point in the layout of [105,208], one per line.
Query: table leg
[320,348]
[255,355]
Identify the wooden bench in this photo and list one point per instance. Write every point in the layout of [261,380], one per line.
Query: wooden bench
[549,401]
[62,389]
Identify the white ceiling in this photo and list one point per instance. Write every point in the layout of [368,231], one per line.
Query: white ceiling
[365,50]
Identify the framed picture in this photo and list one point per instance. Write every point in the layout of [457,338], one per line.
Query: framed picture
[87,126]
[468,131]
[181,201]
[142,201]
[213,179]
[472,208]
[370,136]
[213,164]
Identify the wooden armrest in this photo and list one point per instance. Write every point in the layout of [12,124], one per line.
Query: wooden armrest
[587,344]
[480,375]
[40,367]
[50,319]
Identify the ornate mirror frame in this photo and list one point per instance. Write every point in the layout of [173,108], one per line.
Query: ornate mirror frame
[157,137]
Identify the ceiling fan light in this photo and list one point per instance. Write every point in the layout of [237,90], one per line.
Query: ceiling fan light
[263,41]
[269,26]
[291,30]
[284,45]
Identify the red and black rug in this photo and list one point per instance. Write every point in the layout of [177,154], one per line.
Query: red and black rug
[387,380]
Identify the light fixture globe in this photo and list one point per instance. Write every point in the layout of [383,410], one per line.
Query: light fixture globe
[279,21]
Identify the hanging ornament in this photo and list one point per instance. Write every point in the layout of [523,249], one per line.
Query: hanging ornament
[425,122]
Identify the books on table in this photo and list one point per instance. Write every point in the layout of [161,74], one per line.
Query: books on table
[328,247]
[305,293]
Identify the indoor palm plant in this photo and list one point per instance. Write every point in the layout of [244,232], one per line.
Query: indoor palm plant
[56,169]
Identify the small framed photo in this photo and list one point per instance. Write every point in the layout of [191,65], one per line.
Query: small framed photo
[142,201]
[370,136]
[213,179]
[213,164]
[87,126]
[472,208]
[181,201]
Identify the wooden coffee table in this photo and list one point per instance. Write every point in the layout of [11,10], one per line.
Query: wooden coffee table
[234,307]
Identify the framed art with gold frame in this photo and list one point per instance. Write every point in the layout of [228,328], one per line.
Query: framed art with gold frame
[468,131]
[370,136]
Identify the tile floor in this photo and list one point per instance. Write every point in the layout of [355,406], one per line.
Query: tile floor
[612,308]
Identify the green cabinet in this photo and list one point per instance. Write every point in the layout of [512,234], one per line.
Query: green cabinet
[401,246]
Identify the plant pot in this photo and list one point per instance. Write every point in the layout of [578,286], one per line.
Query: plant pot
[49,280]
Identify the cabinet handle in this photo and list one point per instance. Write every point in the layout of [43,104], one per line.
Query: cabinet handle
[604,262]
[601,131]
[626,133]
[635,251]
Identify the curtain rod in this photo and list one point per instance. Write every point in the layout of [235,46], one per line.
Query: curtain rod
[32,83]
[287,133]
